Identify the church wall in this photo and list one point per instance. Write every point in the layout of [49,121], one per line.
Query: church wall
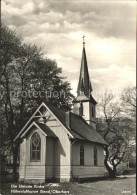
[88,170]
[22,167]
[50,152]
[61,167]
[87,113]
[76,107]
[56,158]
[93,119]
[32,171]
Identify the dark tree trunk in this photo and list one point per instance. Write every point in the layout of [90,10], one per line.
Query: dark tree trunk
[15,163]
[112,172]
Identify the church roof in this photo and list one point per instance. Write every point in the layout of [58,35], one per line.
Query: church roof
[79,128]
[84,80]
[84,86]
[83,98]
[92,100]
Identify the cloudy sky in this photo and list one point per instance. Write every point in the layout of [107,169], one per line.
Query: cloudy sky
[109,27]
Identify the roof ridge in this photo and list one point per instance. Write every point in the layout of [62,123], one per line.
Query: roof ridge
[57,108]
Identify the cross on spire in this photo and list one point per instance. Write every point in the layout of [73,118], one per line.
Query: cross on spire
[83,40]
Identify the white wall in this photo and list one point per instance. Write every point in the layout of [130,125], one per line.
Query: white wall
[62,163]
[88,170]
[56,156]
[87,112]
[50,152]
[32,170]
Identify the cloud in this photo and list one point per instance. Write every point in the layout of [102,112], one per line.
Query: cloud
[113,77]
[15,21]
[59,25]
[102,18]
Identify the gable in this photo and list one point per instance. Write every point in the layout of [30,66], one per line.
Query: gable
[78,129]
[41,127]
[42,114]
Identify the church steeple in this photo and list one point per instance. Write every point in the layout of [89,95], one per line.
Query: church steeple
[84,104]
[84,81]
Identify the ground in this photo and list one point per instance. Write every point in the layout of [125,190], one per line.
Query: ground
[120,185]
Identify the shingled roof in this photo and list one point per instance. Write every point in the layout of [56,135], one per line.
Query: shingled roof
[84,86]
[84,81]
[79,128]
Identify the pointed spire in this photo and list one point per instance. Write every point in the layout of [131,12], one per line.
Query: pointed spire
[91,87]
[82,85]
[84,81]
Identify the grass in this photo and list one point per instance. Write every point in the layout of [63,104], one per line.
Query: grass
[104,187]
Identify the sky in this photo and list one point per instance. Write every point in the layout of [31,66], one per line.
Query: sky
[109,27]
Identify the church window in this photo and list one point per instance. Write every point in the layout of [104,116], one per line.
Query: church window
[81,109]
[35,147]
[81,154]
[92,112]
[95,156]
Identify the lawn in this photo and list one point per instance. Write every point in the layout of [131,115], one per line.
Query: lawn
[104,187]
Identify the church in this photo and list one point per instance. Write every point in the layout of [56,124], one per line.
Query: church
[59,145]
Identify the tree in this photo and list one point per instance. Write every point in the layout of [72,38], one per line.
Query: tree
[128,97]
[128,105]
[10,44]
[25,72]
[116,130]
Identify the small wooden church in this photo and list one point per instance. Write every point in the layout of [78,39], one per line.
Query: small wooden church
[60,146]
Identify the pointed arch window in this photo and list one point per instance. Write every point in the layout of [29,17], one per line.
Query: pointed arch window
[95,156]
[81,154]
[35,147]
